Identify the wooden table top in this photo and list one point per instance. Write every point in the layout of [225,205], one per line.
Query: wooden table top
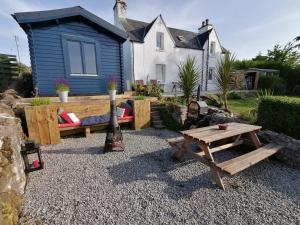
[212,133]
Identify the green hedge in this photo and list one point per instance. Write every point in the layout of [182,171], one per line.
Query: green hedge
[280,114]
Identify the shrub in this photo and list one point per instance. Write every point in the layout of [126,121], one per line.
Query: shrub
[275,83]
[36,101]
[234,95]
[140,97]
[280,114]
[296,90]
[168,121]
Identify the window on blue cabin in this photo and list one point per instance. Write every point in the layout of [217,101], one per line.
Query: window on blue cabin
[82,57]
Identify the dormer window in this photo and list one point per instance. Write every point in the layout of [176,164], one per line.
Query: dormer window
[213,47]
[180,38]
[160,40]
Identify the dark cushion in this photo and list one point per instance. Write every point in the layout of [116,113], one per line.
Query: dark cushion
[92,120]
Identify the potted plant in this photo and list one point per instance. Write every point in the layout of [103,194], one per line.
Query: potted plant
[62,88]
[112,87]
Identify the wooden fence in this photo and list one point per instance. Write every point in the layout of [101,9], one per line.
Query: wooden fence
[8,69]
[42,121]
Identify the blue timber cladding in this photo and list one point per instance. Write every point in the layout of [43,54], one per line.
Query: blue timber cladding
[49,62]
[49,33]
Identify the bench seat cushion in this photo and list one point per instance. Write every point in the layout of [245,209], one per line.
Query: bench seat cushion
[64,125]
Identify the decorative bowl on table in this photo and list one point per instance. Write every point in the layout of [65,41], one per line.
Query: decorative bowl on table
[223,126]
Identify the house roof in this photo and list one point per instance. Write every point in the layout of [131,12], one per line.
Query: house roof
[47,15]
[137,31]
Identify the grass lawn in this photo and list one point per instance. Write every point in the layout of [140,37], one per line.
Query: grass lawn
[243,108]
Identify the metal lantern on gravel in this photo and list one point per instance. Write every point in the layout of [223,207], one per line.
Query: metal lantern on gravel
[31,154]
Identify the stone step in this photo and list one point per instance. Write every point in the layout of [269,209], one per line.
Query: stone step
[154,113]
[156,107]
[155,117]
[157,121]
[159,126]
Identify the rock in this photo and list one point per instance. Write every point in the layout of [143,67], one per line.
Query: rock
[290,154]
[12,176]
[179,113]
[10,203]
[9,98]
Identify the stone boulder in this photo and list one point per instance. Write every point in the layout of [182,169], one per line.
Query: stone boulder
[9,98]
[12,176]
[290,154]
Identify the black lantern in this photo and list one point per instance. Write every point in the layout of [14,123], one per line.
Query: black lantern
[31,154]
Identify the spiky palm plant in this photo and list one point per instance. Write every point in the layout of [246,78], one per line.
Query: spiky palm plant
[188,77]
[225,76]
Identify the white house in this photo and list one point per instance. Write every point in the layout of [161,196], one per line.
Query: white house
[153,50]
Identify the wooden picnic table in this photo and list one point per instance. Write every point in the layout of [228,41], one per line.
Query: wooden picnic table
[232,136]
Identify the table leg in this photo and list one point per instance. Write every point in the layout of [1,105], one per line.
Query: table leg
[254,139]
[213,171]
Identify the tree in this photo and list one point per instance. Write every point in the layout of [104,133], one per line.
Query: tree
[284,55]
[188,77]
[225,76]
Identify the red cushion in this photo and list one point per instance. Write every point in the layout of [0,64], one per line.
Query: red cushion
[126,112]
[65,116]
[63,125]
[126,118]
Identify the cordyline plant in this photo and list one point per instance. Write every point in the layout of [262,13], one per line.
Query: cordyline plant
[61,85]
[225,76]
[112,83]
[188,77]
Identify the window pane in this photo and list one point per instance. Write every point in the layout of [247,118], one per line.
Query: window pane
[160,40]
[90,58]
[213,47]
[75,57]
[210,73]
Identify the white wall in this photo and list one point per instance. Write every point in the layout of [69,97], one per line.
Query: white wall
[213,60]
[146,56]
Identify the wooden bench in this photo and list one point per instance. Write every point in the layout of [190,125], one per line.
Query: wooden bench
[242,162]
[42,121]
[64,131]
[203,137]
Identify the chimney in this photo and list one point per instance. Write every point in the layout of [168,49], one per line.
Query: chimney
[119,11]
[205,26]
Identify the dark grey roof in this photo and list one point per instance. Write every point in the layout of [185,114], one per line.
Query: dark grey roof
[137,30]
[40,16]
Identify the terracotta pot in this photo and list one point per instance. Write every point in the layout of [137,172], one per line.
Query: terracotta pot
[223,126]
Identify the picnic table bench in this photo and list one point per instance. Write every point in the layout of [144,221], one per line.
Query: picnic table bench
[205,136]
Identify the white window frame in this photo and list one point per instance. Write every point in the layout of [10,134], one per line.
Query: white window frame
[81,40]
[160,38]
[212,49]
[163,66]
[211,72]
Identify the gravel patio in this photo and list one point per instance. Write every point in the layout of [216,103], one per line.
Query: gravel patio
[143,185]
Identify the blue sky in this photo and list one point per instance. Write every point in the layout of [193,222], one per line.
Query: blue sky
[244,27]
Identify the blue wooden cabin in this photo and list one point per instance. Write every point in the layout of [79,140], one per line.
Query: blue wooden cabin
[73,44]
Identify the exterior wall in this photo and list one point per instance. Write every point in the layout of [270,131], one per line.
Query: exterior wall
[48,64]
[212,61]
[146,56]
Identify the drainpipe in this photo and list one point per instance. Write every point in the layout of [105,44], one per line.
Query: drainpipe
[202,70]
[132,62]
[207,61]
